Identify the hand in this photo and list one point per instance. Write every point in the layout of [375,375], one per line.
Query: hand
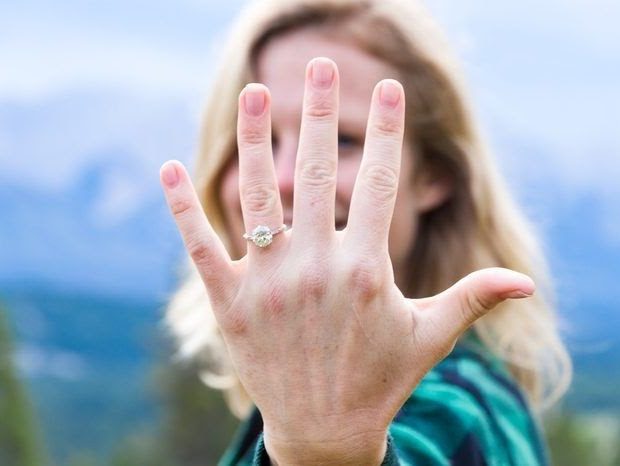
[322,339]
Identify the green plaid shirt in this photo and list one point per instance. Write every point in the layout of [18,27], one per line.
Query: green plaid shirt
[467,411]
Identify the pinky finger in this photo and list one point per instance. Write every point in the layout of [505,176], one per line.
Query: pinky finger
[202,243]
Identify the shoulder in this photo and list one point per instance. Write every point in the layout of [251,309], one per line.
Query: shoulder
[469,410]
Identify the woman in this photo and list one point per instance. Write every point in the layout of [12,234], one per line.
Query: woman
[350,332]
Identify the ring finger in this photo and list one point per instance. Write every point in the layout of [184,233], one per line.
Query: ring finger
[258,188]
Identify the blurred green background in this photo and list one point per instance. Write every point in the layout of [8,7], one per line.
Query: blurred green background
[157,413]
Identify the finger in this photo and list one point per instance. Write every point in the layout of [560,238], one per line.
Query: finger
[372,202]
[456,309]
[258,186]
[204,246]
[317,156]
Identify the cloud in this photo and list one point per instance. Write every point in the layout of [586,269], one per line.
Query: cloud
[47,48]
[49,142]
[548,72]
[38,69]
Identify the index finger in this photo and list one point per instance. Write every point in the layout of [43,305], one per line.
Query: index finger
[376,185]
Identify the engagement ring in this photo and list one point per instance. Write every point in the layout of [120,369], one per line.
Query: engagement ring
[262,236]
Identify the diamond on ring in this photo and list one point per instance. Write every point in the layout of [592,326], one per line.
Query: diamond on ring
[262,236]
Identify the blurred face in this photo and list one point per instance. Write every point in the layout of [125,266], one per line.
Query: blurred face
[281,67]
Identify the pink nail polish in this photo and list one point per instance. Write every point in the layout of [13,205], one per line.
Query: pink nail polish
[322,73]
[169,175]
[389,94]
[254,99]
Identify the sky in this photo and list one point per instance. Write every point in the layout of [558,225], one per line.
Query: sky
[547,69]
[79,78]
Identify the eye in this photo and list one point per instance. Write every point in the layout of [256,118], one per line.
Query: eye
[349,144]
[345,140]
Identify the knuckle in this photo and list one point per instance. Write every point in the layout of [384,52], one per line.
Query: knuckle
[474,306]
[381,180]
[272,302]
[313,283]
[259,197]
[320,108]
[179,207]
[387,128]
[235,322]
[199,251]
[253,135]
[318,172]
[365,279]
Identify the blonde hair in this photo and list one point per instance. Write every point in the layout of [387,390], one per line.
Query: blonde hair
[478,226]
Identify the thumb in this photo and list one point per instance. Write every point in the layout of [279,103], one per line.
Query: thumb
[475,295]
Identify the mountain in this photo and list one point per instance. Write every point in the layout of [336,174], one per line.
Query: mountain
[89,255]
[89,363]
[60,238]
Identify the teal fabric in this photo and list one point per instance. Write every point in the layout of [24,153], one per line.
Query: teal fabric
[467,411]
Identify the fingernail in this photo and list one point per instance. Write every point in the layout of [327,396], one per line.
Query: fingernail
[389,94]
[169,175]
[254,99]
[517,294]
[322,73]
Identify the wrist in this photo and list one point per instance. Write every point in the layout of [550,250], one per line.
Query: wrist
[359,449]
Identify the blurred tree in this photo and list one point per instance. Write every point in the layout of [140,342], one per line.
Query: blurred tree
[195,428]
[82,459]
[197,424]
[141,450]
[583,439]
[19,440]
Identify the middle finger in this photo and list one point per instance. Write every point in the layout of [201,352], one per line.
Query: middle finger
[317,155]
